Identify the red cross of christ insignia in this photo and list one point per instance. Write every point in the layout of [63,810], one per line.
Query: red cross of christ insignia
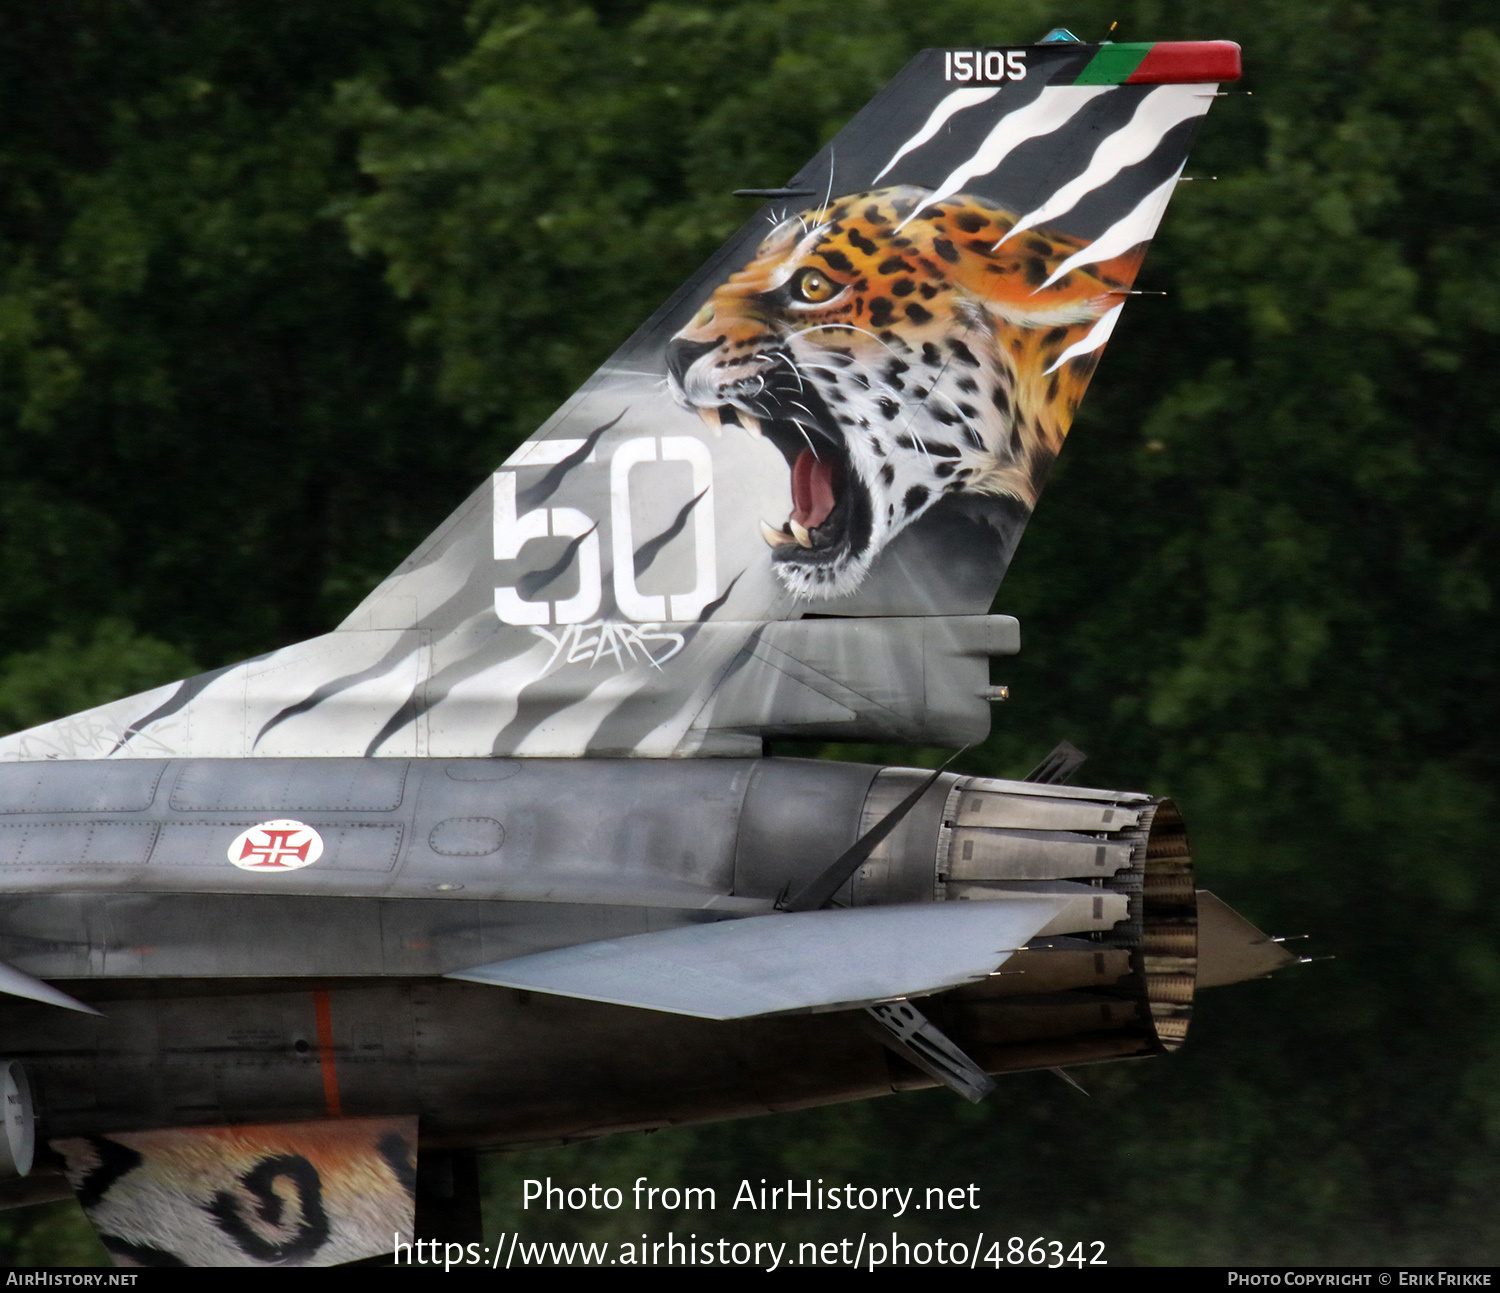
[276,846]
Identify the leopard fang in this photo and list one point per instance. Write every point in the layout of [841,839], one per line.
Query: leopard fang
[776,538]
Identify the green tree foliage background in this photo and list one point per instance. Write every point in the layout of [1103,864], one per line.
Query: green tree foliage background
[279,282]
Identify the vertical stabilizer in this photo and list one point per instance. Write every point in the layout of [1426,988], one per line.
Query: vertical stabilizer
[849,411]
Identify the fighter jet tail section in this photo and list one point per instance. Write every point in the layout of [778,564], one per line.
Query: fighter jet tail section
[850,411]
[783,508]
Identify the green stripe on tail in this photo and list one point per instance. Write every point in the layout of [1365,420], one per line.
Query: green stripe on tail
[1114,64]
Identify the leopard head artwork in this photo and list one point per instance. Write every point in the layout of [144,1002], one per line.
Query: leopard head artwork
[897,352]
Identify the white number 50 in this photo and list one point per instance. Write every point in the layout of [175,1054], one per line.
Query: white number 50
[513,532]
[511,535]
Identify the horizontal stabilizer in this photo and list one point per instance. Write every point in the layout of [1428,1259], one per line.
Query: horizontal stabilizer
[16,983]
[1230,948]
[807,960]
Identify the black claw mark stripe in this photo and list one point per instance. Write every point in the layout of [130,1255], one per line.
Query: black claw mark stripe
[715,606]
[547,486]
[651,549]
[329,689]
[312,1227]
[536,580]
[184,693]
[411,709]
[436,690]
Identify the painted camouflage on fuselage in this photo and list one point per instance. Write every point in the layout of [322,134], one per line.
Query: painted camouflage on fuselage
[611,591]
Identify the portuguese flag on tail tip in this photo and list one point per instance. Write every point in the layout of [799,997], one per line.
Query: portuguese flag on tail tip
[1162,62]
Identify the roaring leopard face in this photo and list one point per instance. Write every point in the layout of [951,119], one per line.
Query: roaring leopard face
[896,353]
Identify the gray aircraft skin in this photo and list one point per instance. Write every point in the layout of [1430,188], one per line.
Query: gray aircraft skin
[499,860]
[156,943]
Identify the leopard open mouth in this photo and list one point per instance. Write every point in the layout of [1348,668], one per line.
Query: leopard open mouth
[830,524]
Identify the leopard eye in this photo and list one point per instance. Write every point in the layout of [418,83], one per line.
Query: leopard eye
[814,287]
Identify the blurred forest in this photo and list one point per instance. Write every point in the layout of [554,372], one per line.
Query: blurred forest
[281,280]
